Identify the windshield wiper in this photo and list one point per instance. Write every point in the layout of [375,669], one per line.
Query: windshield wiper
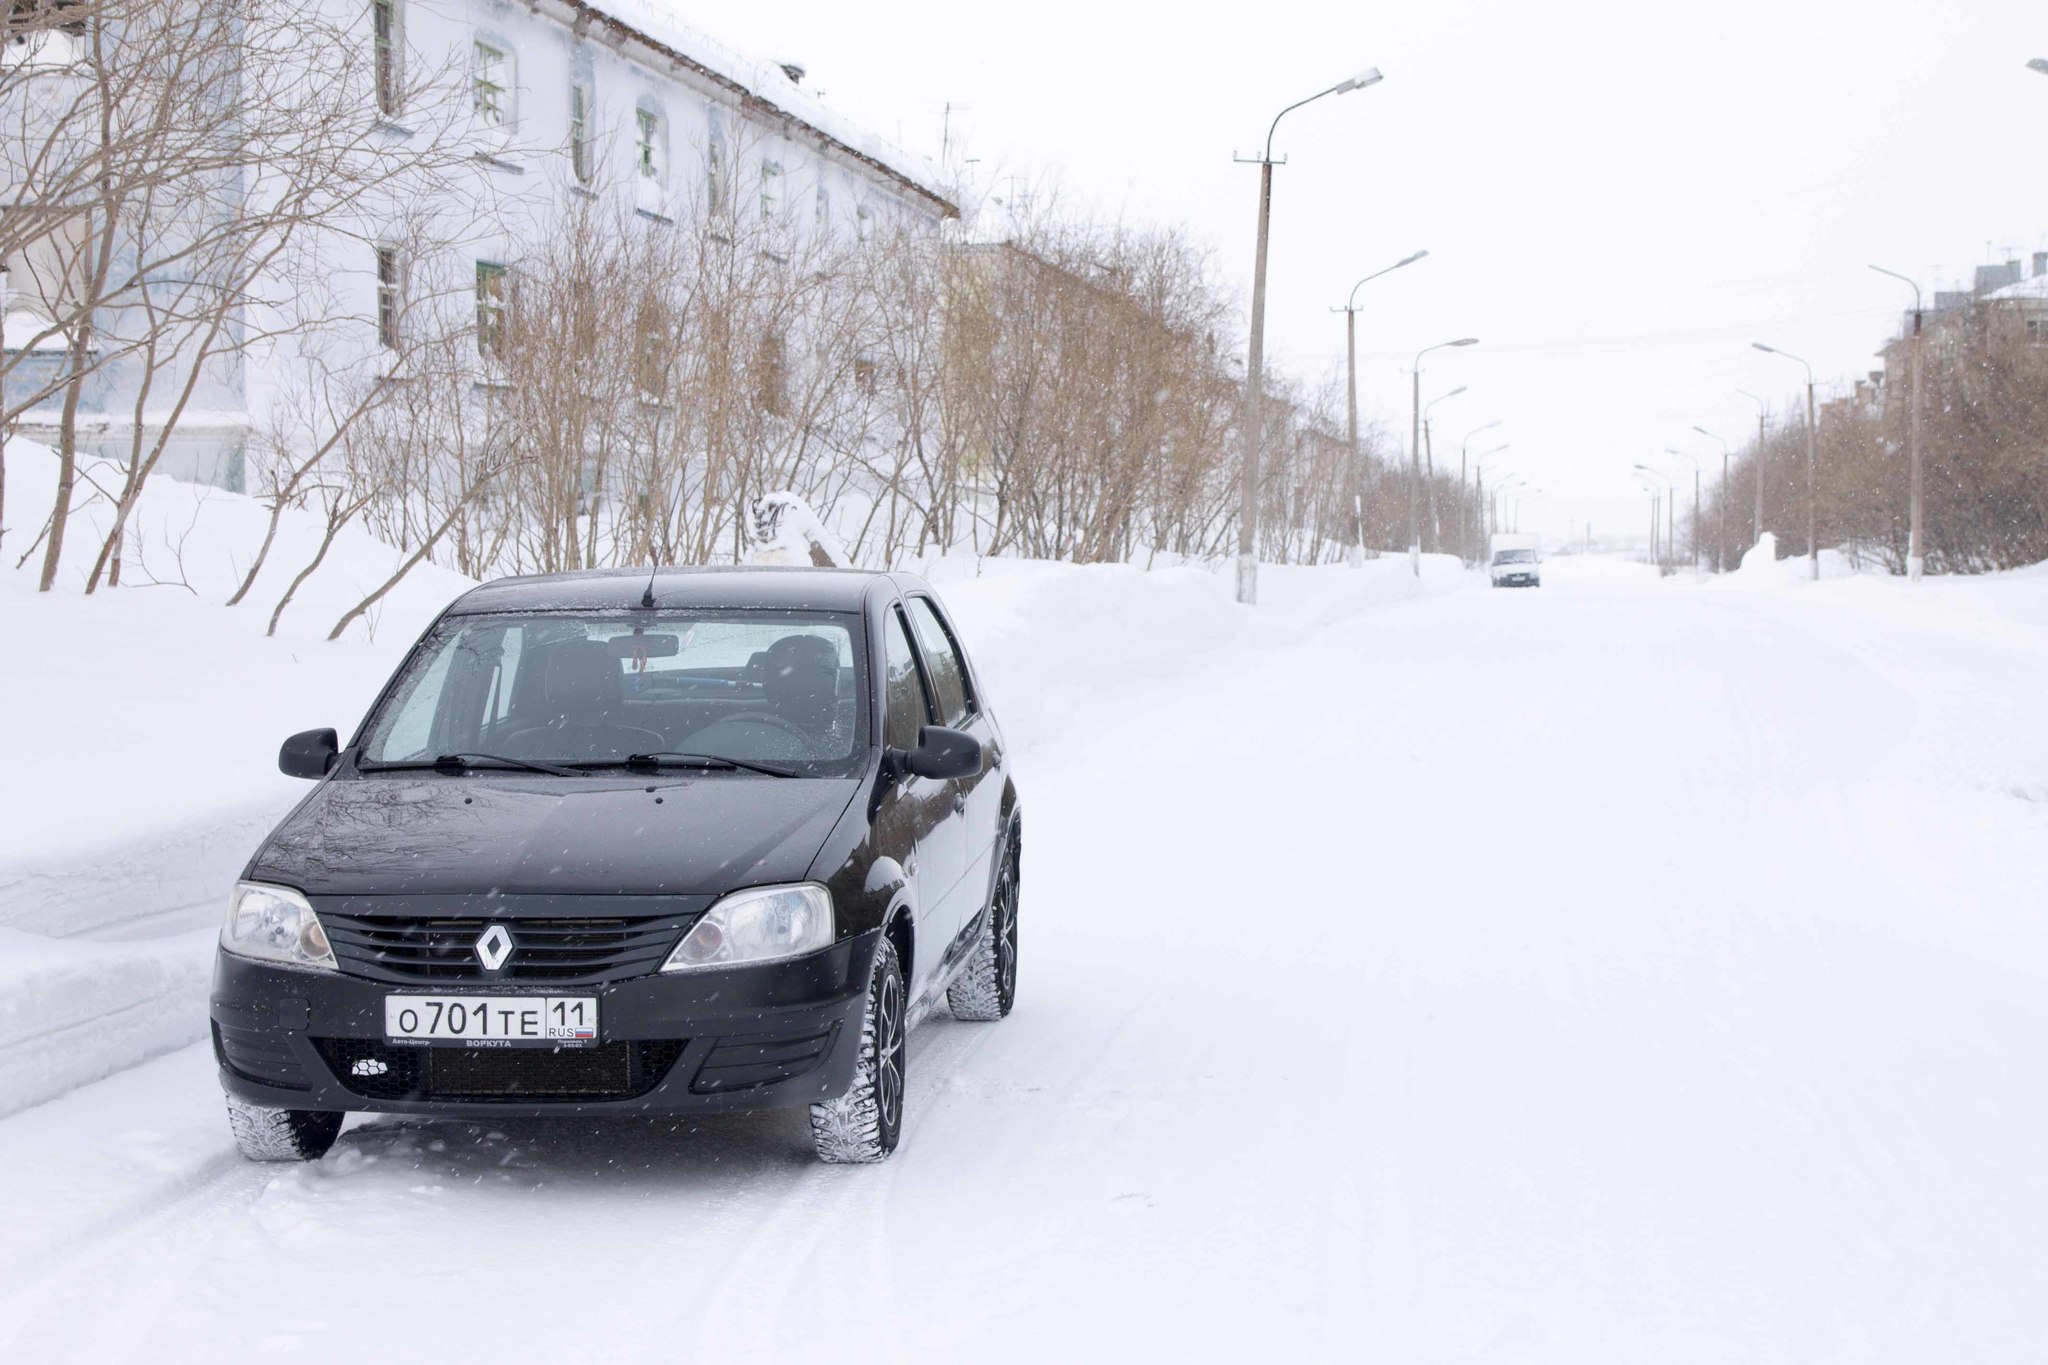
[455,763]
[713,761]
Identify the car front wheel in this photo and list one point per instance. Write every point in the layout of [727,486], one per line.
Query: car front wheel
[863,1124]
[265,1134]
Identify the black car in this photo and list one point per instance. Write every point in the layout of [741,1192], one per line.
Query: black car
[613,843]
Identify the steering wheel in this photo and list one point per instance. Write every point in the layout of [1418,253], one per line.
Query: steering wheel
[787,726]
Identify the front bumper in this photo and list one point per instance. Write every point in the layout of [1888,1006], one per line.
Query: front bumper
[1516,580]
[762,1037]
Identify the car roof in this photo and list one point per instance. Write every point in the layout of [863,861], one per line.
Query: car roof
[737,588]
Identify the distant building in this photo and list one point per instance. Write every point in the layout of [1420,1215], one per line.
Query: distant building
[563,98]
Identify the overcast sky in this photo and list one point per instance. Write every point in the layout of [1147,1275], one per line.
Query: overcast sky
[1616,200]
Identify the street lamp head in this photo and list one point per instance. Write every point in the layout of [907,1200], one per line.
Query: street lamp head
[1410,259]
[1369,76]
[1767,350]
[1464,341]
[2039,64]
[1708,434]
[1452,394]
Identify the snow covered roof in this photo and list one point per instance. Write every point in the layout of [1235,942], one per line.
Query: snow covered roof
[2034,287]
[22,328]
[763,84]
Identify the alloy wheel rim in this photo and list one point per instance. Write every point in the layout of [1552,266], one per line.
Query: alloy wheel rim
[1006,936]
[889,1048]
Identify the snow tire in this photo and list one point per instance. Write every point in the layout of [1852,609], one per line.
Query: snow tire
[265,1134]
[861,1126]
[987,987]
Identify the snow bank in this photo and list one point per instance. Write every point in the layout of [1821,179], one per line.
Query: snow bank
[138,761]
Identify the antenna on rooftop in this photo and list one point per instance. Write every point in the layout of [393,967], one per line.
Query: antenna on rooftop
[647,597]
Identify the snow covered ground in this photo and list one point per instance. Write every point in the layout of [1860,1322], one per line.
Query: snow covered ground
[1629,970]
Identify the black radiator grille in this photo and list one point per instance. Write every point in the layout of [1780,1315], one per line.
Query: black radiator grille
[613,1071]
[558,951]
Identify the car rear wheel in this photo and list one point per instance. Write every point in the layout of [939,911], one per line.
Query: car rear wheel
[265,1134]
[987,987]
[863,1124]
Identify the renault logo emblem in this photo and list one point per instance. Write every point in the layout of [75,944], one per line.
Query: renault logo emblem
[494,947]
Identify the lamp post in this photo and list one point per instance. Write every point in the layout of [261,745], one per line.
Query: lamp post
[1436,522]
[1812,543]
[1475,523]
[1720,536]
[1465,521]
[1254,416]
[1695,501]
[1500,491]
[1763,416]
[1916,552]
[1670,508]
[1356,554]
[1655,513]
[1415,455]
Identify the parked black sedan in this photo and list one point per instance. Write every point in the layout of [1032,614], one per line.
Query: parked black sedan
[613,843]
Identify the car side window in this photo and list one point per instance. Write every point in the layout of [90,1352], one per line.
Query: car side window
[908,707]
[949,676]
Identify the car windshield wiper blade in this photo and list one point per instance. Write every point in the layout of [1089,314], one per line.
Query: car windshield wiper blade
[455,763]
[675,760]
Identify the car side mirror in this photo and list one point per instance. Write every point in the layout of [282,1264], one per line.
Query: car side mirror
[942,754]
[310,753]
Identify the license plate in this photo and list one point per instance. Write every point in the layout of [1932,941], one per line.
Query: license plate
[491,1020]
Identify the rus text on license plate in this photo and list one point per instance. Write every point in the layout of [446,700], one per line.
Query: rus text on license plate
[499,1020]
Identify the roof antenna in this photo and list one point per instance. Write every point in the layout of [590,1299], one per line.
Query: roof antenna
[647,597]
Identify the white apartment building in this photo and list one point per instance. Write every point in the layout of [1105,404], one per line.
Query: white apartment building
[556,98]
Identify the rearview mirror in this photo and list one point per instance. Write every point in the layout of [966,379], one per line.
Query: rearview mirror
[309,753]
[642,646]
[942,754]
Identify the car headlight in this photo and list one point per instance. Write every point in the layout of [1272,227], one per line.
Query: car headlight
[274,924]
[760,925]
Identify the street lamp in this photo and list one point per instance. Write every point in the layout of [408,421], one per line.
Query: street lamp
[1763,416]
[1415,455]
[1721,536]
[1812,544]
[1670,508]
[1254,416]
[2039,64]
[1668,450]
[1356,554]
[1655,496]
[1916,552]
[1436,521]
[1479,495]
[1464,516]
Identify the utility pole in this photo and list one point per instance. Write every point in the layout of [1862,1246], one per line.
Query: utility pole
[1356,554]
[1415,453]
[1812,539]
[1254,380]
[1916,550]
[1763,412]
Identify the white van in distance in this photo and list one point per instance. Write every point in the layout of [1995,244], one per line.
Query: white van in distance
[1515,563]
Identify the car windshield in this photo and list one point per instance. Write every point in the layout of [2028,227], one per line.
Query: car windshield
[769,687]
[1515,557]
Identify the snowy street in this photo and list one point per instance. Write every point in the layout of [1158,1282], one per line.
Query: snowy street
[1627,970]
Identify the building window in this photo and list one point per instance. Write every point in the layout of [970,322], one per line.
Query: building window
[771,190]
[493,312]
[650,158]
[390,296]
[491,84]
[386,37]
[821,210]
[864,223]
[579,131]
[2037,331]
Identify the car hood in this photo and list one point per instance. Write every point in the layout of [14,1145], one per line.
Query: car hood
[420,834]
